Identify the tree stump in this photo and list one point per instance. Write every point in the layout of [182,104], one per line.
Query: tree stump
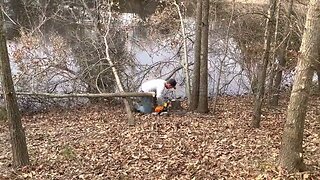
[175,105]
[176,108]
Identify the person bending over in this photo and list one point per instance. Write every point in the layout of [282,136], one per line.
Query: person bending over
[158,86]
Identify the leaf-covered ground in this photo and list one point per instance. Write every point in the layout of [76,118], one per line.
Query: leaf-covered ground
[95,142]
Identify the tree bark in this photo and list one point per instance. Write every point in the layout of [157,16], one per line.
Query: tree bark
[318,74]
[317,68]
[274,101]
[17,134]
[197,56]
[262,69]
[273,64]
[291,153]
[203,87]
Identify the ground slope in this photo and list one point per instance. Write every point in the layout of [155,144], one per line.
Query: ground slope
[96,143]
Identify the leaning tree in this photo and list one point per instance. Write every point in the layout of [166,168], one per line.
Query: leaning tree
[291,154]
[17,134]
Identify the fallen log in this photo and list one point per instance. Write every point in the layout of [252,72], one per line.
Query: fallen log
[88,95]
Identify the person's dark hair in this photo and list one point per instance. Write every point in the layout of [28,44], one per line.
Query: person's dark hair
[173,82]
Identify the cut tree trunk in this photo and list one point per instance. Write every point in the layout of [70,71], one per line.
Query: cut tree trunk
[121,94]
[126,101]
[176,105]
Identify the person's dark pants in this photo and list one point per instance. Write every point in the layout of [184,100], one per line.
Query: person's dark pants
[146,105]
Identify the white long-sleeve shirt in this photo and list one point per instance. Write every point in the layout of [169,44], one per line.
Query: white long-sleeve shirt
[155,85]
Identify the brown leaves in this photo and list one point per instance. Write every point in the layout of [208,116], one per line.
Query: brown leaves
[96,143]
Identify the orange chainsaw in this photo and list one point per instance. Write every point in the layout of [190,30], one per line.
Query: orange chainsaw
[162,108]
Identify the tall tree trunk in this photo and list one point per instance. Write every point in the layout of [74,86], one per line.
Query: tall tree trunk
[317,68]
[262,69]
[203,88]
[184,61]
[197,56]
[273,64]
[274,101]
[318,74]
[17,134]
[291,153]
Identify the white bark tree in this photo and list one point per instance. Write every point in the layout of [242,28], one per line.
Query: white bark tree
[107,22]
[184,61]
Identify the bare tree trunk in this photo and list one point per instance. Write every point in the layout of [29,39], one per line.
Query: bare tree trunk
[17,134]
[317,68]
[274,101]
[126,101]
[203,88]
[184,62]
[291,153]
[217,89]
[262,69]
[224,58]
[197,56]
[318,74]
[273,64]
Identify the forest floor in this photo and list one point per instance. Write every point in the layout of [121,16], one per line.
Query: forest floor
[95,142]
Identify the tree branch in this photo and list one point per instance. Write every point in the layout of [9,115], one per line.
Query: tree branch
[88,95]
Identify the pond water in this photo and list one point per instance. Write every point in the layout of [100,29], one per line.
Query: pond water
[157,57]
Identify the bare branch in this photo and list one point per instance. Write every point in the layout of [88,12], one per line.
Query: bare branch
[88,95]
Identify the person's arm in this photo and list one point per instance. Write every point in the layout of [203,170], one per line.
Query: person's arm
[159,96]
